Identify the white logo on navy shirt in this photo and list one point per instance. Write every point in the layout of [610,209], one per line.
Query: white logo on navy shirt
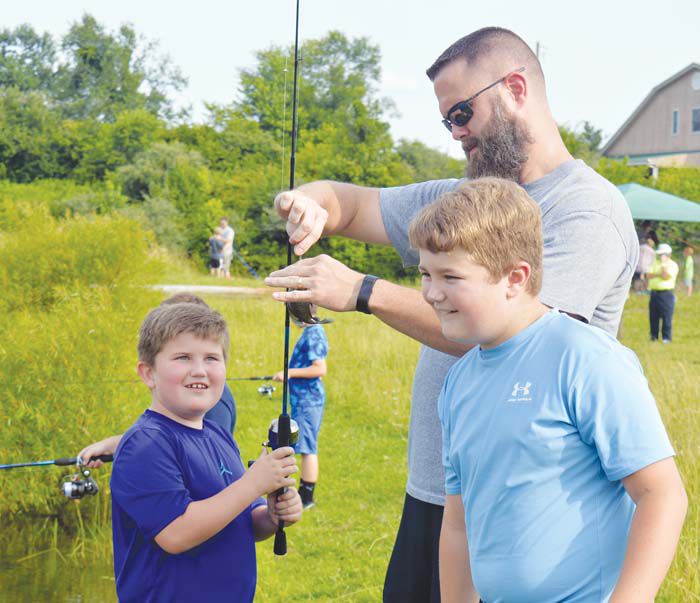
[521,393]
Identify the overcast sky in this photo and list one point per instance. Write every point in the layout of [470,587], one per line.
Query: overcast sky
[600,58]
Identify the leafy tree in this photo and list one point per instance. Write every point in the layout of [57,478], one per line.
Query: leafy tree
[173,174]
[27,59]
[29,147]
[583,144]
[335,74]
[591,136]
[105,74]
[229,138]
[427,163]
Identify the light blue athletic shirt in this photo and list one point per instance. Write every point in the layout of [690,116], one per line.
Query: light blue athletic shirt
[537,434]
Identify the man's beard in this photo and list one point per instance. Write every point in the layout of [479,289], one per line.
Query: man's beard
[501,150]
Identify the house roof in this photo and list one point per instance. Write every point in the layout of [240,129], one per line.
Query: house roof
[646,101]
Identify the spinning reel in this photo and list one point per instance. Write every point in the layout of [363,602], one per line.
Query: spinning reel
[266,390]
[79,484]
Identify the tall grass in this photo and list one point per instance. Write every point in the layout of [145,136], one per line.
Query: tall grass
[340,550]
[71,300]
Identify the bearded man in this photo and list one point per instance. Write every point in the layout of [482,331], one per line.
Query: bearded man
[491,93]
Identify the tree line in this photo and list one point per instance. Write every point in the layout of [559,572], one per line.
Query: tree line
[95,108]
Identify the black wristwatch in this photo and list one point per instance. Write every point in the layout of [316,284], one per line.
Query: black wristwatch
[362,304]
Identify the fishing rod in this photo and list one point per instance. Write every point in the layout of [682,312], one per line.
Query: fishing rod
[284,431]
[76,485]
[247,266]
[261,378]
[64,462]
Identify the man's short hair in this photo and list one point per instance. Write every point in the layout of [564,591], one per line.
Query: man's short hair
[493,220]
[169,320]
[488,42]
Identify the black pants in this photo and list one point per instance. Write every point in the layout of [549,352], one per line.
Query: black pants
[661,305]
[413,575]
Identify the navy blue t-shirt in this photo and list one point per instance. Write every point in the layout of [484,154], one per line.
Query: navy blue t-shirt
[161,467]
[224,412]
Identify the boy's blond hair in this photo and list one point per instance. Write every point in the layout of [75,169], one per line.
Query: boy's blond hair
[493,220]
[172,319]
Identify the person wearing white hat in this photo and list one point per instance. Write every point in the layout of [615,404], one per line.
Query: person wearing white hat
[662,282]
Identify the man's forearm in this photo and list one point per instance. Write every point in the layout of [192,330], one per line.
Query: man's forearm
[651,545]
[353,210]
[405,310]
[327,194]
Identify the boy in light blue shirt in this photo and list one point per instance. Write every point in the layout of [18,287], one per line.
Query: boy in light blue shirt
[560,478]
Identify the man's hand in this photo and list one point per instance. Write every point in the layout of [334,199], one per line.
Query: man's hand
[305,218]
[321,280]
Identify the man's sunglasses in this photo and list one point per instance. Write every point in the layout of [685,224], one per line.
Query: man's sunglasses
[461,112]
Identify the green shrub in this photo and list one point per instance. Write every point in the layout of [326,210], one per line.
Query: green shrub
[71,300]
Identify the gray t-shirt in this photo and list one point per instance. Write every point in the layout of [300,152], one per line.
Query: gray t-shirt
[590,252]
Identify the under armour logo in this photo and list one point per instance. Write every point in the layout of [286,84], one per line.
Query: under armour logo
[223,470]
[521,390]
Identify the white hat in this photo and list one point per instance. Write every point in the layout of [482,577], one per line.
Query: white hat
[664,249]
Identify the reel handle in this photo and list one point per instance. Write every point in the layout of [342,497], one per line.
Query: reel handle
[284,437]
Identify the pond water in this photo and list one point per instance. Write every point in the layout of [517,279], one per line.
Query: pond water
[40,563]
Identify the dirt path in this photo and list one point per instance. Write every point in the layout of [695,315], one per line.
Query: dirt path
[212,290]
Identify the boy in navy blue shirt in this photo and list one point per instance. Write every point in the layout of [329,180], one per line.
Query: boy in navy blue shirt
[307,397]
[560,478]
[185,513]
[223,412]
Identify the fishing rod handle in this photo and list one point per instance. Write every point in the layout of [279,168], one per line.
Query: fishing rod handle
[105,458]
[284,437]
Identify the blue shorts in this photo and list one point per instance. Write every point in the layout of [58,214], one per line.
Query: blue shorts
[309,420]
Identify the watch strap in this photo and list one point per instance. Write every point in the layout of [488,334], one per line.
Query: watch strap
[362,304]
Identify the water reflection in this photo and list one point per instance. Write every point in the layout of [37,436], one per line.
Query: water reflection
[40,563]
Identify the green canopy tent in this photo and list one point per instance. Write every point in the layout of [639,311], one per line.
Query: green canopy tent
[650,204]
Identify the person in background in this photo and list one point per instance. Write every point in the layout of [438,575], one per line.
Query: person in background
[307,397]
[662,282]
[647,255]
[688,269]
[227,235]
[216,253]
